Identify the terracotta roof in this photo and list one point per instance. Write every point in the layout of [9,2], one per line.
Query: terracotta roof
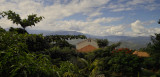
[87,48]
[86,42]
[141,54]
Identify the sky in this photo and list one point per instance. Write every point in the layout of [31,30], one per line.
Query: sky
[94,17]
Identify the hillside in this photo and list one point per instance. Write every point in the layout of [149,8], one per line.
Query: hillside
[126,41]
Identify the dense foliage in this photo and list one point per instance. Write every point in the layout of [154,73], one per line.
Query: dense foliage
[16,61]
[124,62]
[154,49]
[32,55]
[102,43]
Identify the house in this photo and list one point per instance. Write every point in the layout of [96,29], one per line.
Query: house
[141,54]
[87,45]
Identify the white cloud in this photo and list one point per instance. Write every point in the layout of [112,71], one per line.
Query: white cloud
[1,1]
[52,12]
[56,10]
[6,24]
[152,7]
[148,23]
[125,5]
[119,7]
[136,2]
[107,20]
[116,30]
[87,27]
[95,13]
[139,28]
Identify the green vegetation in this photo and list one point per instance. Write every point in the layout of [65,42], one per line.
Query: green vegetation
[15,18]
[35,55]
[102,43]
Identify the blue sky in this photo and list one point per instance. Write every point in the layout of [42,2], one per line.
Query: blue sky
[95,17]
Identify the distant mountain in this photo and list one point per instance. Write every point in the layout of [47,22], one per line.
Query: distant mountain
[54,32]
[121,38]
[126,41]
[65,33]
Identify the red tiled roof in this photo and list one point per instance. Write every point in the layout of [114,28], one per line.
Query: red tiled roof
[87,48]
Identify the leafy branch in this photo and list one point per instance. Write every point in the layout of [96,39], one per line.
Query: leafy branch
[16,19]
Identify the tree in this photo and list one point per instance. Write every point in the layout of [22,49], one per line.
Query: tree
[67,69]
[102,43]
[2,30]
[16,19]
[98,60]
[16,61]
[36,43]
[18,30]
[154,49]
[124,63]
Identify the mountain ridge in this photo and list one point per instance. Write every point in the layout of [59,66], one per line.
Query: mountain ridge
[126,41]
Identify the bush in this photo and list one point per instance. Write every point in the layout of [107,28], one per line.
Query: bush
[124,62]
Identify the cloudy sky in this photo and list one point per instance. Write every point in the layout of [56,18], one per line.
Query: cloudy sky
[95,17]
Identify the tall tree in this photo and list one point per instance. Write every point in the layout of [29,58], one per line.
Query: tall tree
[16,19]
[154,49]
